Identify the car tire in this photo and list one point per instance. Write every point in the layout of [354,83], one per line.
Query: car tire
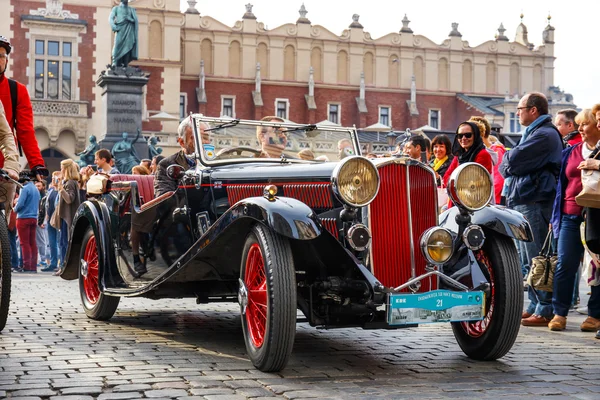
[96,304]
[5,271]
[268,299]
[494,336]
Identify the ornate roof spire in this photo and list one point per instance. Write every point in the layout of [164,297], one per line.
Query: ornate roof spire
[192,7]
[455,31]
[302,11]
[355,23]
[405,22]
[249,14]
[501,36]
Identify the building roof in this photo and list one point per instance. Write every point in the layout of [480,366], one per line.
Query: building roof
[483,103]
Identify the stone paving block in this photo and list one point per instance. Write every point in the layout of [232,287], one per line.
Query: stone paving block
[120,396]
[34,392]
[92,390]
[210,391]
[71,398]
[254,392]
[224,397]
[242,384]
[170,385]
[169,393]
[134,387]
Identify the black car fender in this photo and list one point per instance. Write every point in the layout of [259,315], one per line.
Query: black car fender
[95,214]
[496,218]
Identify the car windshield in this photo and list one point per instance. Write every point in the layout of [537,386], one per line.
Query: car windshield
[224,141]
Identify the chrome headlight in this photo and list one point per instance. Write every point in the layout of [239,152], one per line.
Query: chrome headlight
[470,186]
[355,181]
[436,245]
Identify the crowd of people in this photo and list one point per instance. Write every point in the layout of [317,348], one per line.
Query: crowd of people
[541,178]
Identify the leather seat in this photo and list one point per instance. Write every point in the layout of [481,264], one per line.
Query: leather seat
[145,184]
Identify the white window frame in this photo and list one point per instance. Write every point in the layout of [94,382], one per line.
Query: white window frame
[73,59]
[185,104]
[287,107]
[439,112]
[228,96]
[389,114]
[339,112]
[517,122]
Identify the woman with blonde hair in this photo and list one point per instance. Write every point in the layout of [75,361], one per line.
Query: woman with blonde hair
[68,192]
[566,220]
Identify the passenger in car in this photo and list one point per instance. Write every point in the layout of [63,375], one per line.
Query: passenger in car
[272,140]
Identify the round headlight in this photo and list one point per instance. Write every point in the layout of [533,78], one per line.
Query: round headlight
[355,181]
[436,245]
[471,186]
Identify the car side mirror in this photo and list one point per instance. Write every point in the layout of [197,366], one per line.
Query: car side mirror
[175,171]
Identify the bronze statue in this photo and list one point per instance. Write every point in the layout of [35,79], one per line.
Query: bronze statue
[124,22]
[153,149]
[124,153]
[86,157]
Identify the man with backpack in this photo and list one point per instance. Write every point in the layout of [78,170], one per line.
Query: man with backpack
[19,114]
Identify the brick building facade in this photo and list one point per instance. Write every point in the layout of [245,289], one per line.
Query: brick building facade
[298,70]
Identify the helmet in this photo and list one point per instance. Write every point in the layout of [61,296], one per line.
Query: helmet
[6,44]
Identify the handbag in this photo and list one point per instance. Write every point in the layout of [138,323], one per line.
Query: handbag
[591,261]
[590,194]
[55,218]
[541,275]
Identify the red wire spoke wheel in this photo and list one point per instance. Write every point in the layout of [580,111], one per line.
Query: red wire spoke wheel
[256,283]
[493,336]
[96,304]
[267,297]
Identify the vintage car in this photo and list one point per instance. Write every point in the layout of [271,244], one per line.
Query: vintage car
[349,242]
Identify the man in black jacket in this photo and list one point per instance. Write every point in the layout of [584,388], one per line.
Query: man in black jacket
[184,157]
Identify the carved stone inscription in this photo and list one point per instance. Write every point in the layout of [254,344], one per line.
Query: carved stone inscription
[124,113]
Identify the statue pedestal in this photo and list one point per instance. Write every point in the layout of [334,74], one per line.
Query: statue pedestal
[122,96]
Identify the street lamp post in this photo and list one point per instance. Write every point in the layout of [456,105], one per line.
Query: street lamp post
[391,140]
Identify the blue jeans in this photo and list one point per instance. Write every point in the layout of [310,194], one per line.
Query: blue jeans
[14,251]
[538,215]
[64,241]
[53,241]
[570,251]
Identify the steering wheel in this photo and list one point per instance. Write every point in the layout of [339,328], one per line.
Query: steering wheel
[238,150]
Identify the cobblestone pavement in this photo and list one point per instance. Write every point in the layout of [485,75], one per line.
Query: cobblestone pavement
[170,349]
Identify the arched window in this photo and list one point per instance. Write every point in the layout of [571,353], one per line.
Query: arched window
[538,81]
[289,63]
[342,67]
[419,71]
[515,79]
[467,76]
[393,70]
[443,74]
[155,40]
[315,62]
[206,55]
[262,57]
[235,59]
[368,68]
[490,77]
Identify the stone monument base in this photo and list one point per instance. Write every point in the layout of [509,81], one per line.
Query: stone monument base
[122,96]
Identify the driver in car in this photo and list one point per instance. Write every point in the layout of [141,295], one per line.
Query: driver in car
[272,139]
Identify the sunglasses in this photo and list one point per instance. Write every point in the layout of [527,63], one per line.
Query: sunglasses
[468,135]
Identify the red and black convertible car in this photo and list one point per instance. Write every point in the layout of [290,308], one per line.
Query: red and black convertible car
[284,217]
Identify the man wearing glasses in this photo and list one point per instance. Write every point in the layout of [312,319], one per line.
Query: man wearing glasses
[272,139]
[531,170]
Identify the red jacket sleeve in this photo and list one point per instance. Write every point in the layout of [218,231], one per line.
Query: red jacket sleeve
[484,158]
[25,132]
[451,169]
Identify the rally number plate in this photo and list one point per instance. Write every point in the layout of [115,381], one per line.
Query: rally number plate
[435,306]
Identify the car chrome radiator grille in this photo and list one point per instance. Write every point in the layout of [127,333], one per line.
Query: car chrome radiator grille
[407,196]
[316,195]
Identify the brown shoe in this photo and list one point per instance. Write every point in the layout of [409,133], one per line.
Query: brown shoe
[558,323]
[535,320]
[590,324]
[526,315]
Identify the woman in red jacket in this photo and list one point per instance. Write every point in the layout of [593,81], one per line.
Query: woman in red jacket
[468,147]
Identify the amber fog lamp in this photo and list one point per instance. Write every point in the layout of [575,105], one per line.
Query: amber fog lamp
[270,192]
[355,181]
[436,245]
[470,186]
